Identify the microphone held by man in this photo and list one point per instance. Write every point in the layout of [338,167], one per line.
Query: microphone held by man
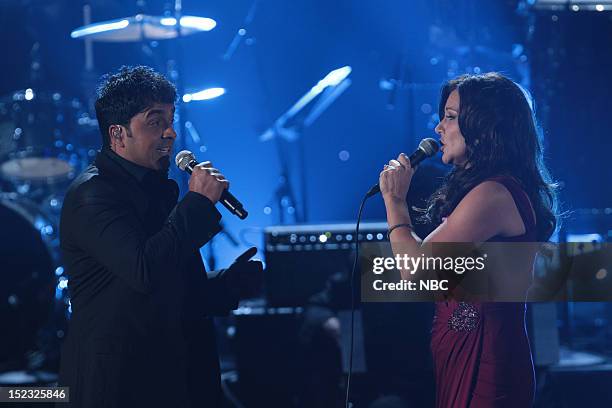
[208,181]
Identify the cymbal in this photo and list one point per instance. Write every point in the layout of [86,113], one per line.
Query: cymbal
[143,27]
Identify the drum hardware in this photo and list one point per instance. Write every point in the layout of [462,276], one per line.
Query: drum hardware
[142,27]
[45,139]
[28,378]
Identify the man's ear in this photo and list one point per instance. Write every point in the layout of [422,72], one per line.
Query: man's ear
[116,136]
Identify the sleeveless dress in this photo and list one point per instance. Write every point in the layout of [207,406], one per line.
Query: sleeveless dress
[481,352]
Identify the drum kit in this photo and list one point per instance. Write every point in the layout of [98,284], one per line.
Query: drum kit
[46,139]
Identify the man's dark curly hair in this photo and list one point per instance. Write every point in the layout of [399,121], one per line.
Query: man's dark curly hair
[126,93]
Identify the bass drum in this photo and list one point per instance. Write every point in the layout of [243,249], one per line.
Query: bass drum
[28,278]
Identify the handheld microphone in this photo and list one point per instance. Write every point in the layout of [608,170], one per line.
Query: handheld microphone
[427,148]
[185,160]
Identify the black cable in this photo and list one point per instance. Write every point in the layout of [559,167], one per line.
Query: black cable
[350,368]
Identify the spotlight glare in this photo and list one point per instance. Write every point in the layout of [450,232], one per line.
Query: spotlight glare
[206,94]
[335,77]
[201,23]
[99,28]
[168,21]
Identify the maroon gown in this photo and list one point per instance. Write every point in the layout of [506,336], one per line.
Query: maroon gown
[481,351]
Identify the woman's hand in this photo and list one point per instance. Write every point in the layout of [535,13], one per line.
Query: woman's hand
[395,179]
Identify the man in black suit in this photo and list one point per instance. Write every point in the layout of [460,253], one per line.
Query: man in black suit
[140,332]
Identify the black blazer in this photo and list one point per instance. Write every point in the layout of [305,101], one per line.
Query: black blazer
[140,332]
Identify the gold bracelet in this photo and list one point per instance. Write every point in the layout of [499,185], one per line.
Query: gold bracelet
[390,230]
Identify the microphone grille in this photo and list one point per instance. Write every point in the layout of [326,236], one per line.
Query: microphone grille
[429,146]
[183,158]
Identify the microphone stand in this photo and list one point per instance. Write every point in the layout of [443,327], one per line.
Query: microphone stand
[290,126]
[284,194]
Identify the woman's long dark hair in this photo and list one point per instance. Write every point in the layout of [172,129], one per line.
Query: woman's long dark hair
[501,137]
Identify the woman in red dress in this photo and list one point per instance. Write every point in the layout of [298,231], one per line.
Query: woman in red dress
[499,190]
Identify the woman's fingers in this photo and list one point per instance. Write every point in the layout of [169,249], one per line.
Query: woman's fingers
[404,161]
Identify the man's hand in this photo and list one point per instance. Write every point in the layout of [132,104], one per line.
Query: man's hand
[208,181]
[245,276]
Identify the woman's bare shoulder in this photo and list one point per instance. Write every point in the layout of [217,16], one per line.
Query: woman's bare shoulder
[486,211]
